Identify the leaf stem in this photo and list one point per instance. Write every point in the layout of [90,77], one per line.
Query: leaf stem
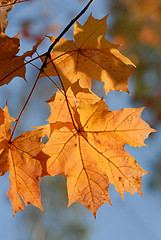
[24,106]
[63,32]
[65,95]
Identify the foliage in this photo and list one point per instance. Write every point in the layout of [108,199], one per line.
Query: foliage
[86,139]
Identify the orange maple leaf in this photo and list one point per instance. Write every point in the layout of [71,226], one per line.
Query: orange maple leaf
[90,56]
[5,7]
[59,103]
[89,149]
[12,65]
[19,158]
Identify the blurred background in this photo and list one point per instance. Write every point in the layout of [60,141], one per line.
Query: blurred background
[135,24]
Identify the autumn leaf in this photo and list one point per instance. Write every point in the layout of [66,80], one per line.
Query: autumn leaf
[5,7]
[19,158]
[89,150]
[12,65]
[59,103]
[90,56]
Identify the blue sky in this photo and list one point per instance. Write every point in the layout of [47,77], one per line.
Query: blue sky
[136,217]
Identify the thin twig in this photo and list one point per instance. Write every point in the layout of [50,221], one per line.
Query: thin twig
[32,90]
[63,32]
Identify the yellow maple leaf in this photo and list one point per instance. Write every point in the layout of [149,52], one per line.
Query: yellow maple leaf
[58,102]
[19,157]
[90,56]
[89,150]
[12,65]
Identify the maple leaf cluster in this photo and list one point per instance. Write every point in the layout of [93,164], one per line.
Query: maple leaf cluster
[86,139]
